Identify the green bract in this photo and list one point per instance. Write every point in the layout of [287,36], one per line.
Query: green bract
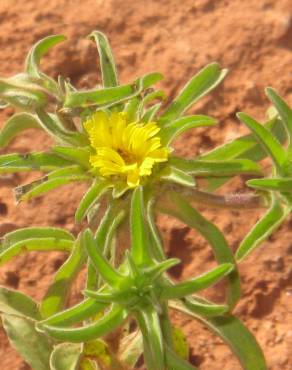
[128,291]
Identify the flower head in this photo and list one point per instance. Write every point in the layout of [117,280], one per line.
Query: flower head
[123,148]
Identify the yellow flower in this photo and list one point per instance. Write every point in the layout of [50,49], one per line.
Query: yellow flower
[123,148]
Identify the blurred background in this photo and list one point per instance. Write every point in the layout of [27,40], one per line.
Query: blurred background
[253,39]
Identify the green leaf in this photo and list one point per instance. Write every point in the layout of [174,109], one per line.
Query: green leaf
[174,362]
[36,244]
[240,340]
[182,210]
[175,174]
[109,322]
[276,184]
[18,304]
[265,138]
[203,82]
[150,113]
[153,95]
[35,348]
[283,109]
[56,296]
[133,109]
[175,128]
[33,60]
[93,194]
[10,163]
[107,228]
[16,124]
[155,244]
[149,325]
[73,154]
[22,93]
[20,235]
[75,314]
[49,182]
[203,281]
[108,273]
[52,125]
[199,306]
[139,235]
[66,356]
[262,229]
[157,270]
[107,63]
[216,168]
[243,147]
[110,95]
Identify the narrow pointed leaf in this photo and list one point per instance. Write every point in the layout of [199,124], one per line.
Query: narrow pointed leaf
[10,163]
[240,340]
[23,234]
[104,237]
[150,114]
[75,314]
[175,128]
[182,210]
[18,304]
[100,297]
[111,95]
[73,154]
[156,94]
[34,347]
[276,184]
[15,125]
[36,53]
[203,82]
[107,63]
[36,244]
[155,238]
[199,306]
[133,109]
[284,110]
[174,362]
[110,321]
[56,296]
[22,93]
[108,225]
[49,182]
[243,147]
[139,236]
[216,168]
[110,275]
[161,267]
[269,143]
[66,356]
[54,128]
[262,229]
[175,174]
[97,189]
[203,281]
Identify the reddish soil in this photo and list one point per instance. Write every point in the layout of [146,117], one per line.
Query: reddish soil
[254,40]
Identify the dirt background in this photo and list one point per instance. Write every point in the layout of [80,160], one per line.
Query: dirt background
[253,39]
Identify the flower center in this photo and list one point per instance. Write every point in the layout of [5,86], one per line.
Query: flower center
[122,148]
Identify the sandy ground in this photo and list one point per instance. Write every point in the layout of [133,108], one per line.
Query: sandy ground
[253,39]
